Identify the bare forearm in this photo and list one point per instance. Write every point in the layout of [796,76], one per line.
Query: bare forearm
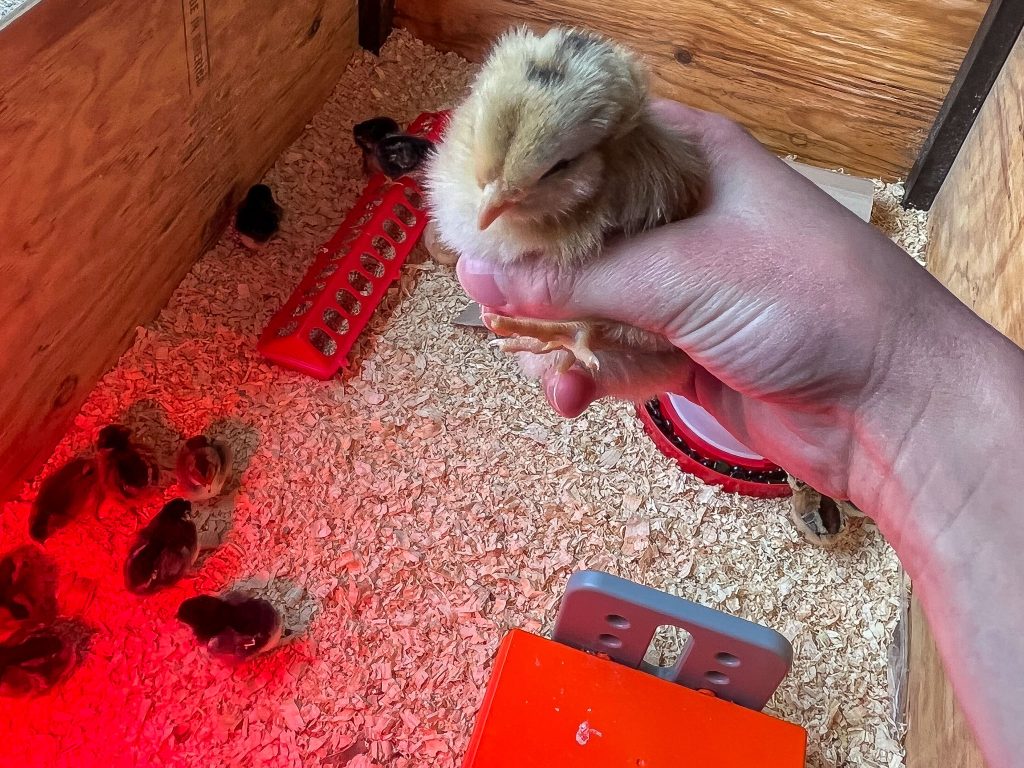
[951,505]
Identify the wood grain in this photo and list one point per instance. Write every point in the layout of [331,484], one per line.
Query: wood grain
[855,85]
[978,72]
[977,249]
[938,734]
[121,159]
[977,221]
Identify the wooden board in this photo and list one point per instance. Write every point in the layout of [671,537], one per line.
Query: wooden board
[853,85]
[938,734]
[977,221]
[989,50]
[977,249]
[128,132]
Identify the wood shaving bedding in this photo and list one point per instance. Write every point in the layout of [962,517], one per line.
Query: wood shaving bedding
[405,516]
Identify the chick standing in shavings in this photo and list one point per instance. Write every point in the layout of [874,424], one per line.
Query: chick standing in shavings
[235,627]
[258,217]
[164,551]
[386,149]
[402,155]
[35,664]
[69,492]
[368,134]
[28,592]
[203,467]
[126,470]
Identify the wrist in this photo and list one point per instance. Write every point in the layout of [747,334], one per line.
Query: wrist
[947,418]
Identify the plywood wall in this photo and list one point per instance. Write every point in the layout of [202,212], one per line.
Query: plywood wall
[128,132]
[855,85]
[977,249]
[977,220]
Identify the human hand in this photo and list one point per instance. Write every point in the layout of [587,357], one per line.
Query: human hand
[791,308]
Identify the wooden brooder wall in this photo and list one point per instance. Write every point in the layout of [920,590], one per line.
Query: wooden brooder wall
[977,231]
[855,85]
[128,132]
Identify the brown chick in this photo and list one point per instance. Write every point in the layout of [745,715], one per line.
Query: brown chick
[554,151]
[126,470]
[28,592]
[203,467]
[66,494]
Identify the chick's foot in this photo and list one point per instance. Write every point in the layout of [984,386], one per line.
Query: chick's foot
[523,334]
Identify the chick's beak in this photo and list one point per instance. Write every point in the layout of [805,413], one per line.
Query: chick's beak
[495,202]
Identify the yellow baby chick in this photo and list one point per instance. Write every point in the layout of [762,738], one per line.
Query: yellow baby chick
[554,151]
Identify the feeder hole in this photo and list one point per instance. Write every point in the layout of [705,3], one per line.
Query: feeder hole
[414,197]
[727,659]
[329,270]
[716,678]
[336,321]
[384,248]
[302,309]
[619,622]
[609,641]
[404,215]
[360,283]
[371,265]
[323,343]
[289,329]
[348,302]
[392,230]
[316,290]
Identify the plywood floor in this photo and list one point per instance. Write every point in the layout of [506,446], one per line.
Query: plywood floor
[407,515]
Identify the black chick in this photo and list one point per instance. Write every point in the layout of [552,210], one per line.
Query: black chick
[124,471]
[259,216]
[28,592]
[67,493]
[235,627]
[402,154]
[203,467]
[164,550]
[35,664]
[368,134]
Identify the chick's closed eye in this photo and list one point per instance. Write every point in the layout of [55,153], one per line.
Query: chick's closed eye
[561,165]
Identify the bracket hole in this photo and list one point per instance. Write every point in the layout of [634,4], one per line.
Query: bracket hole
[666,646]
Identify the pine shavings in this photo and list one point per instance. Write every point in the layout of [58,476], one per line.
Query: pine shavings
[405,516]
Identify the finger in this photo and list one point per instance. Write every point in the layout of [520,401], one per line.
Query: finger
[643,282]
[570,393]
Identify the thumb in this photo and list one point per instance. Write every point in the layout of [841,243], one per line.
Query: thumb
[646,281]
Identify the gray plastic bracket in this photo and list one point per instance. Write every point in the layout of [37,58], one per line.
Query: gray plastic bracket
[736,659]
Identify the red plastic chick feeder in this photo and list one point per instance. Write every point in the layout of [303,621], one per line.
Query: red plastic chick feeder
[316,328]
[702,447]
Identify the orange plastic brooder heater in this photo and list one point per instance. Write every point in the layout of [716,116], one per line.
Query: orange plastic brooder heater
[588,699]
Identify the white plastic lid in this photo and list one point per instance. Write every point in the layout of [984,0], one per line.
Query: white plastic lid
[707,428]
